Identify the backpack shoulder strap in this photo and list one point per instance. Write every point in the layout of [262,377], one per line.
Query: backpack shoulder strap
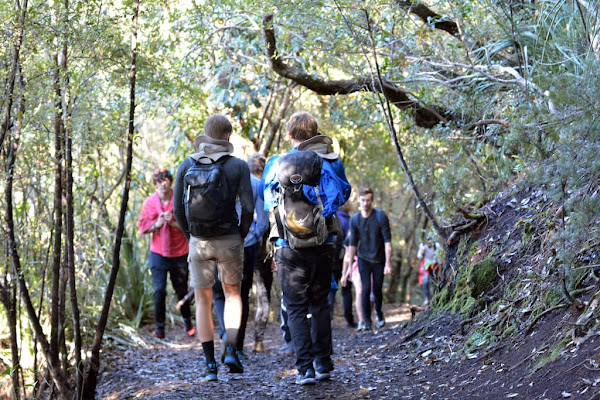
[378,216]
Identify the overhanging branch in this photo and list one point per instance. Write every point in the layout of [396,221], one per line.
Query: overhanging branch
[424,116]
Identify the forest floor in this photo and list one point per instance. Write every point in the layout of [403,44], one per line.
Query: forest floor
[520,339]
[407,359]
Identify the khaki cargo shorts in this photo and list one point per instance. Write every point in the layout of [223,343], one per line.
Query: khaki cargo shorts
[208,254]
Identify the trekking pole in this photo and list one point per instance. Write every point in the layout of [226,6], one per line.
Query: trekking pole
[185,299]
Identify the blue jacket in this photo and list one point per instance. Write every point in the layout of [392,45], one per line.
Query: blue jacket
[333,188]
[260,223]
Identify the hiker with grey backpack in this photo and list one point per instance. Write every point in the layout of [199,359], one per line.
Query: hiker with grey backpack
[304,188]
[207,186]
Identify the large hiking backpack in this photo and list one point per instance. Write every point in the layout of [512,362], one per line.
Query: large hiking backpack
[206,195]
[299,221]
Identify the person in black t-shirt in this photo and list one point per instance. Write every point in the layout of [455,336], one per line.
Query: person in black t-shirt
[370,238]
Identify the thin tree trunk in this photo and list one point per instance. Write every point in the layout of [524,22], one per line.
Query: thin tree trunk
[94,364]
[10,83]
[57,247]
[58,375]
[69,216]
[285,104]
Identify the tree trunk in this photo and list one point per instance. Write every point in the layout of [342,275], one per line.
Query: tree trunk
[69,216]
[57,247]
[58,375]
[94,364]
[10,82]
[275,124]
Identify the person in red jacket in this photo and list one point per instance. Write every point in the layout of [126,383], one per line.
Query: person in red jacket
[168,250]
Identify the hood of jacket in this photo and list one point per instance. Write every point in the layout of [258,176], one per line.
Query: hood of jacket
[320,144]
[209,150]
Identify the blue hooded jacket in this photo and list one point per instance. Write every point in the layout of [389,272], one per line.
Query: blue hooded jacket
[333,188]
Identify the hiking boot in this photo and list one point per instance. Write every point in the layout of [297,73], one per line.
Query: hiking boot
[287,349]
[159,334]
[322,373]
[259,347]
[308,378]
[241,355]
[231,359]
[190,328]
[380,323]
[367,328]
[210,373]
[350,324]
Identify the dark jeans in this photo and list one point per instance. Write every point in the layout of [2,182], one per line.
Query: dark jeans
[346,294]
[245,288]
[177,267]
[285,327]
[367,270]
[219,303]
[305,276]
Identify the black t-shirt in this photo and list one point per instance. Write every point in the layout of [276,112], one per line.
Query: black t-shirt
[369,235]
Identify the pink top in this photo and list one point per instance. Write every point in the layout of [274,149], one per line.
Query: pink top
[167,241]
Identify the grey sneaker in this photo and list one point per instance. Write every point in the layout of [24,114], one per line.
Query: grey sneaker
[380,323]
[307,379]
[287,349]
[322,373]
[360,326]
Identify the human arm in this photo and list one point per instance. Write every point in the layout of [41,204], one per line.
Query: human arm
[387,269]
[150,218]
[387,240]
[421,251]
[178,207]
[246,200]
[346,269]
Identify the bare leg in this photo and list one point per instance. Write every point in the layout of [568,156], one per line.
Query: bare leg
[204,321]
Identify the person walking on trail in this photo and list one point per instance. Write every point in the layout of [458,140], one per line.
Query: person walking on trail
[168,250]
[350,273]
[338,267]
[207,186]
[304,188]
[429,265]
[255,251]
[370,234]
[259,226]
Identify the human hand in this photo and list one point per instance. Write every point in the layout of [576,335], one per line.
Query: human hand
[160,221]
[344,280]
[387,270]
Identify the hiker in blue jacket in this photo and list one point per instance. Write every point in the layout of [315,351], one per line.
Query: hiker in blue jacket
[305,272]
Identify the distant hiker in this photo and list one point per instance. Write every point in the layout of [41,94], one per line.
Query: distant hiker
[350,273]
[429,265]
[304,188]
[338,261]
[257,258]
[207,185]
[370,233]
[168,250]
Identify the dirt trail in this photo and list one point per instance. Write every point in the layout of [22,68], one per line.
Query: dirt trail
[169,369]
[418,360]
